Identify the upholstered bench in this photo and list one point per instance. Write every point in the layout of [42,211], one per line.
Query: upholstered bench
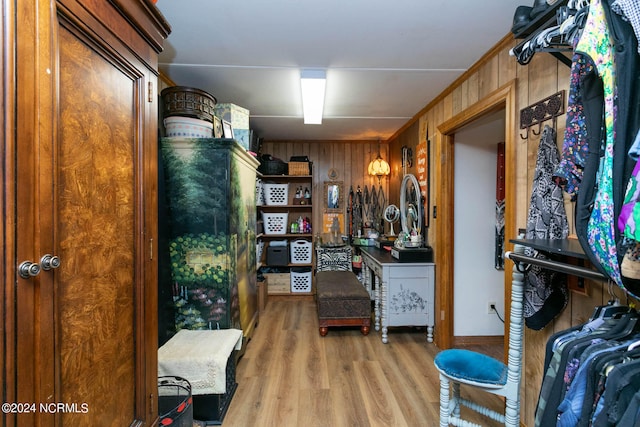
[342,301]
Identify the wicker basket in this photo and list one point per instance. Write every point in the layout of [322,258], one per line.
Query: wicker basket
[189,102]
[299,168]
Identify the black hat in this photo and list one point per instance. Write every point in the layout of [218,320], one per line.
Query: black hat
[539,6]
[521,18]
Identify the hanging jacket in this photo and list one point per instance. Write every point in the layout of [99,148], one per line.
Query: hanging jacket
[575,147]
[596,43]
[595,210]
[627,101]
[545,294]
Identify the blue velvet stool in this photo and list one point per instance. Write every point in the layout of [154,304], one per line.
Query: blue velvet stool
[478,370]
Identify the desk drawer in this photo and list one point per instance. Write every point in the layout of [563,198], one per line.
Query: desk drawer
[421,271]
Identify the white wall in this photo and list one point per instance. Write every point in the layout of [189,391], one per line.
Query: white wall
[476,281]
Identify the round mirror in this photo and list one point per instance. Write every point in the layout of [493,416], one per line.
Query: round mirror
[410,205]
[391,215]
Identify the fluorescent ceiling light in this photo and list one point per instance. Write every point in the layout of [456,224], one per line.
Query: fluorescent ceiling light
[312,83]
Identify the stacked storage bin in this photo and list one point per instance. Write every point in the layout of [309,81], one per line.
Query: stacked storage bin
[188,112]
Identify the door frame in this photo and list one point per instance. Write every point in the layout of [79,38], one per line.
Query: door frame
[502,98]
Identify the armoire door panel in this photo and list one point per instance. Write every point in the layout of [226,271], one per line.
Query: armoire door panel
[95,235]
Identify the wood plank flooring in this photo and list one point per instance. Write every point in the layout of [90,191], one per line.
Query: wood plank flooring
[290,376]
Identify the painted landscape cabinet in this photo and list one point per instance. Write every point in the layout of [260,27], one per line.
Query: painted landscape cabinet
[209,239]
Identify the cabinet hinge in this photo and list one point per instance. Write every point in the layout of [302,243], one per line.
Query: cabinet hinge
[150,88]
[151,400]
[151,249]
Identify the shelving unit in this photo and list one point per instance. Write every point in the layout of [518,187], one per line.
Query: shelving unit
[267,234]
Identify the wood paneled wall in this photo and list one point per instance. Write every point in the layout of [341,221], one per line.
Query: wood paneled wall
[350,160]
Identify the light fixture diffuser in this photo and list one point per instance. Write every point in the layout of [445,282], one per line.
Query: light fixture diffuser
[312,84]
[379,167]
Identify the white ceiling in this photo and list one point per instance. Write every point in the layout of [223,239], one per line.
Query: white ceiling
[385,60]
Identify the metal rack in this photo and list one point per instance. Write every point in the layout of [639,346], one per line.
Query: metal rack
[528,34]
[565,247]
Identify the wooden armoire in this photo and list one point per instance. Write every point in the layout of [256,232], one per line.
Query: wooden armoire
[79,180]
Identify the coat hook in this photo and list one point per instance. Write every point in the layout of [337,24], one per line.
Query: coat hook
[539,129]
[526,134]
[546,109]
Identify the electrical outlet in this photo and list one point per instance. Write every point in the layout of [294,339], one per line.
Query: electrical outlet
[491,307]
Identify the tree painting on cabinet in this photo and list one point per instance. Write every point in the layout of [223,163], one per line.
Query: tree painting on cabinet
[203,253]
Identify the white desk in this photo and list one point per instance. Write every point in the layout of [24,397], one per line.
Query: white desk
[404,292]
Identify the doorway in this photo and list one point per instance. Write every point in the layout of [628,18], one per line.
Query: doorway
[502,99]
[478,283]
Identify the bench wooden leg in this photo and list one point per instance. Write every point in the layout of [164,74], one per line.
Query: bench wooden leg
[365,325]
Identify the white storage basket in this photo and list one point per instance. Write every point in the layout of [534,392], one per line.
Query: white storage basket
[301,252]
[301,280]
[275,223]
[276,194]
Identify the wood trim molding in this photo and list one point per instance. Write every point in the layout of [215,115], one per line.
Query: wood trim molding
[502,98]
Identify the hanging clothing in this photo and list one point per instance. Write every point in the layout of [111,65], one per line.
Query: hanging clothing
[595,43]
[627,100]
[575,148]
[545,294]
[603,116]
[631,416]
[574,384]
[630,9]
[629,217]
[500,206]
[554,386]
[621,384]
[634,151]
[627,124]
[587,126]
[571,406]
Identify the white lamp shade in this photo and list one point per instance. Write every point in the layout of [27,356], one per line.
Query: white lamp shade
[379,167]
